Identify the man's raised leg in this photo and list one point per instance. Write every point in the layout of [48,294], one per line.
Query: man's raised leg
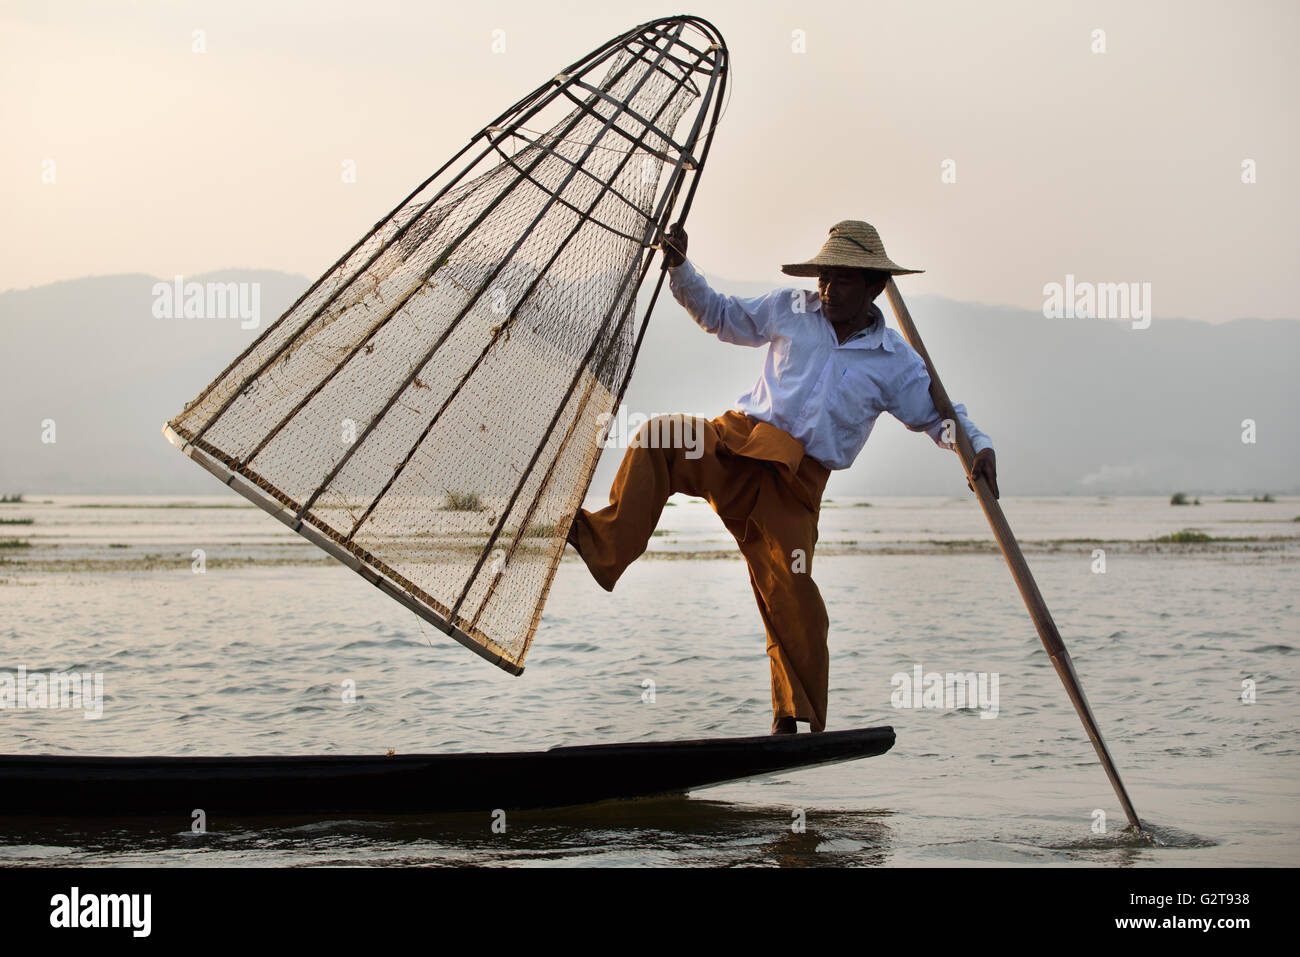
[669,454]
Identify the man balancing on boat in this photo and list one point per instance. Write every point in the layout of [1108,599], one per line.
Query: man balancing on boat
[832,367]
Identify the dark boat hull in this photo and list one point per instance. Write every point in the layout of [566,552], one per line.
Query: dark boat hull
[91,787]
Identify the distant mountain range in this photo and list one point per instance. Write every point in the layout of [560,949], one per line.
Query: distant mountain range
[1074,406]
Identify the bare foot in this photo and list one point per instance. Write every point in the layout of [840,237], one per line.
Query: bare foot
[784,725]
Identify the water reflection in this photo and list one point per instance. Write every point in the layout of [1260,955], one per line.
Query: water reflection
[676,831]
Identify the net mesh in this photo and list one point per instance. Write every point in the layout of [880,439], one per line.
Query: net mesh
[433,404]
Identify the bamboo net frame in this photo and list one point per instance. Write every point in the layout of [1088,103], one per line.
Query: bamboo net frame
[428,411]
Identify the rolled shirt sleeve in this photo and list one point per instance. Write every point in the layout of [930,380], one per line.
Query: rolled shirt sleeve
[744,322]
[913,406]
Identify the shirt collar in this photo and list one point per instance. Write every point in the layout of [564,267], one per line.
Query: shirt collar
[873,337]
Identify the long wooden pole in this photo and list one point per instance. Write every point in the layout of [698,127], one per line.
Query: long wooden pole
[1051,638]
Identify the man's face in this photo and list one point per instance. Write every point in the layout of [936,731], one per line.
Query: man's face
[845,292]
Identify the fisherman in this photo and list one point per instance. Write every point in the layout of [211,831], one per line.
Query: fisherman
[832,367]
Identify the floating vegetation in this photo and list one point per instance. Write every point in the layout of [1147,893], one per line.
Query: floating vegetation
[463,502]
[162,505]
[28,521]
[969,544]
[179,564]
[12,499]
[14,543]
[1186,535]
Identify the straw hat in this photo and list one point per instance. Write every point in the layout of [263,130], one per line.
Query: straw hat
[852,243]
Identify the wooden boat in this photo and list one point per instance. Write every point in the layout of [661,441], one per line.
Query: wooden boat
[94,787]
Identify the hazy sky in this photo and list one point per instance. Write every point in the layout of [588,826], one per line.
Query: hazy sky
[1117,166]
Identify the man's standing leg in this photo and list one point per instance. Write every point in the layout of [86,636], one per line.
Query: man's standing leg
[777,541]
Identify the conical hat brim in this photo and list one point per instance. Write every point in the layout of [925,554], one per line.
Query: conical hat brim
[841,250]
[814,267]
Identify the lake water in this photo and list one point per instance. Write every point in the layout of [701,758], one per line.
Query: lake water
[250,658]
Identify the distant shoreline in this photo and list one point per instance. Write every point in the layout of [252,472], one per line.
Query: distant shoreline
[39,561]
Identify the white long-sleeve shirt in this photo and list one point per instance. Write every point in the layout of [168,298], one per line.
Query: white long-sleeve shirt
[826,394]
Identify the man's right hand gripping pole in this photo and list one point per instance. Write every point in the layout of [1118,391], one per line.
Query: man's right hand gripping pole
[674,242]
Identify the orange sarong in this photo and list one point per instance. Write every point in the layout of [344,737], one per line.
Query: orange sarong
[768,494]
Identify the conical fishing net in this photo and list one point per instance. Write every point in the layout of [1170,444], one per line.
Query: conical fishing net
[430,411]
